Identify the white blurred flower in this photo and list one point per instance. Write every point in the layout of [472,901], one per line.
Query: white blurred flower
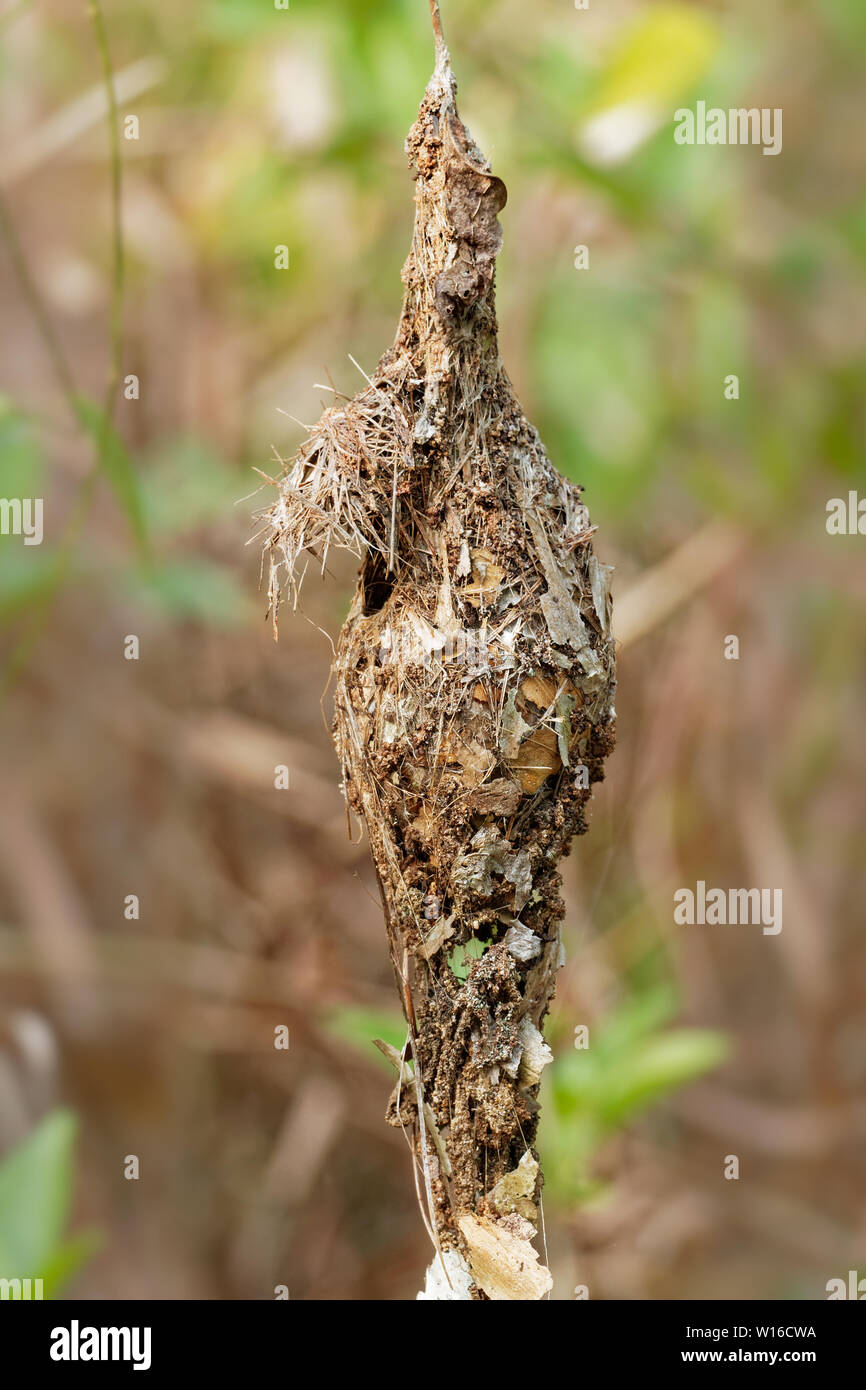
[612,135]
[302,102]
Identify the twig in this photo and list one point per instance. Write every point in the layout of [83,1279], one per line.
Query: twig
[675,579]
[437,25]
[117,268]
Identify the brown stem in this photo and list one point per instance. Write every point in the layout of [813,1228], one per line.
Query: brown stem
[437,25]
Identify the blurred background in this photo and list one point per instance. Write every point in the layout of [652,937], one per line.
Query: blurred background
[145,1030]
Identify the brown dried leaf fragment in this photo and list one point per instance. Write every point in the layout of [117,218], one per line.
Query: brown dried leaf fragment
[487,577]
[503,1264]
[501,797]
[514,1192]
[436,938]
[537,759]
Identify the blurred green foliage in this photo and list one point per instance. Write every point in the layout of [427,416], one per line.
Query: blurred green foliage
[35,1195]
[358,1026]
[632,1059]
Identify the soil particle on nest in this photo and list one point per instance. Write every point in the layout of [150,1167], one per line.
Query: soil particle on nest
[473,676]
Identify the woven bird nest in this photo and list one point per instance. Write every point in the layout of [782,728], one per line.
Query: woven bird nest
[474,682]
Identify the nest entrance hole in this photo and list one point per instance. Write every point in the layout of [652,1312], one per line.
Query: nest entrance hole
[378,584]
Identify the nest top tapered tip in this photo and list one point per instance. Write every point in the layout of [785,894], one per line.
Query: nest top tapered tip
[442,83]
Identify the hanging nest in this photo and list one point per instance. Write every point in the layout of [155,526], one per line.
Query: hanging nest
[474,687]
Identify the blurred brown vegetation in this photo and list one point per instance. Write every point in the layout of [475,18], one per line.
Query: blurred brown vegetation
[155,777]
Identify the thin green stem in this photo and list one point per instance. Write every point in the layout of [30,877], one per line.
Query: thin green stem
[41,611]
[118,267]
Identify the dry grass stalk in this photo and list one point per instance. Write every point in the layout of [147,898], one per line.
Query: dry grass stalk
[474,684]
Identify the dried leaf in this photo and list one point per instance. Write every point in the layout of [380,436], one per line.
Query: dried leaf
[599,581]
[519,872]
[451,1284]
[504,1265]
[561,613]
[522,943]
[536,1054]
[489,854]
[513,729]
[516,1190]
[540,690]
[435,939]
[487,576]
[537,759]
[475,760]
[501,797]
[565,703]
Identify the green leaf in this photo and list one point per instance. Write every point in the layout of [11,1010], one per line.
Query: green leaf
[67,1260]
[660,1065]
[35,1192]
[623,1069]
[358,1027]
[25,576]
[461,958]
[642,1014]
[590,1093]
